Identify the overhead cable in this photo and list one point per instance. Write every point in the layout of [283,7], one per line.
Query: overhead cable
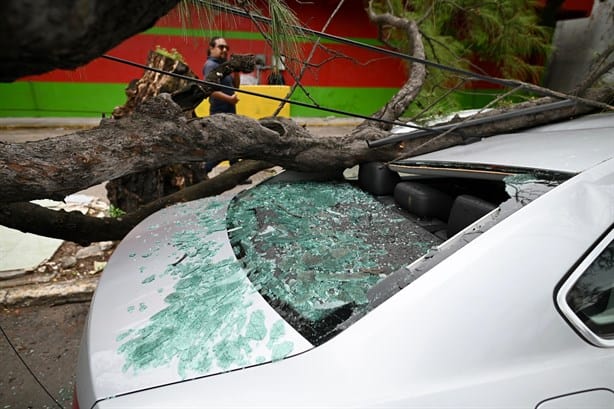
[244,91]
[500,81]
[400,137]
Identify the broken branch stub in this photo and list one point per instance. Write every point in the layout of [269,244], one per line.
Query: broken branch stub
[153,83]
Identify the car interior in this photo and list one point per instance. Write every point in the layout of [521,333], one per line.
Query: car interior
[443,205]
[435,203]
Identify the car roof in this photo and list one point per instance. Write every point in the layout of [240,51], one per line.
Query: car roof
[571,147]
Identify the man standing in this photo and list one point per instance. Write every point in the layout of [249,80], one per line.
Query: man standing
[224,100]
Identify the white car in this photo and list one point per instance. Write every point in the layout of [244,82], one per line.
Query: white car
[439,120]
[476,276]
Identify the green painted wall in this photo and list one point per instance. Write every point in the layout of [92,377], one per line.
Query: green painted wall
[59,99]
[363,101]
[366,101]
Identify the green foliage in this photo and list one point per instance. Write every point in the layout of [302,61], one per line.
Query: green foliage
[190,10]
[283,42]
[115,212]
[465,34]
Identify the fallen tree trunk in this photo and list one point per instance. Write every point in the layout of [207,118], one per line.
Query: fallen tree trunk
[39,36]
[77,161]
[157,134]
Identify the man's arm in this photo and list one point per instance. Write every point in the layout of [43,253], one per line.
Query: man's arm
[231,99]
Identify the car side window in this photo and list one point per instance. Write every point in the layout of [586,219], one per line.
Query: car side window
[588,294]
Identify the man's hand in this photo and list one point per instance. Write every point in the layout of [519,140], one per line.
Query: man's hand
[233,99]
[230,99]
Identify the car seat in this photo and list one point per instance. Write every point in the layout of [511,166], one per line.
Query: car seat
[377,179]
[466,209]
[423,200]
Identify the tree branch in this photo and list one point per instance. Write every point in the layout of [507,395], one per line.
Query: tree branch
[156,134]
[79,228]
[405,96]
[66,34]
[601,67]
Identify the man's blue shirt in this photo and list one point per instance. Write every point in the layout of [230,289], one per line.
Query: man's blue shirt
[217,106]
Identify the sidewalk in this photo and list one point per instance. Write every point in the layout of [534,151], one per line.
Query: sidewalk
[50,122]
[68,123]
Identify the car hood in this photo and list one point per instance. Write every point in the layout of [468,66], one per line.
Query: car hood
[174,303]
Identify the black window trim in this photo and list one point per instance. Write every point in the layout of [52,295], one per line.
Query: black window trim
[561,297]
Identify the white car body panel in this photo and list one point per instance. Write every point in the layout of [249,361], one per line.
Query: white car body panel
[139,263]
[442,341]
[569,147]
[412,126]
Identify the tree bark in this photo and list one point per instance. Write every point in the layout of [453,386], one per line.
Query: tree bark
[82,229]
[399,103]
[131,191]
[157,135]
[37,36]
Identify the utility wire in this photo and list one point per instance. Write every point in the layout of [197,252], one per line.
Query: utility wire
[421,131]
[28,368]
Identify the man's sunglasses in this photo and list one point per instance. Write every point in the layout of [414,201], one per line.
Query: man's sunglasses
[222,47]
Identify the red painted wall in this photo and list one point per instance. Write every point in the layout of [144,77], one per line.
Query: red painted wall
[354,67]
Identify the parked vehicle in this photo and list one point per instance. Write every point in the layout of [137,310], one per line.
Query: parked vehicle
[476,276]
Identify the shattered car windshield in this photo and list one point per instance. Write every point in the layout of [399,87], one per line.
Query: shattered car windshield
[315,249]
